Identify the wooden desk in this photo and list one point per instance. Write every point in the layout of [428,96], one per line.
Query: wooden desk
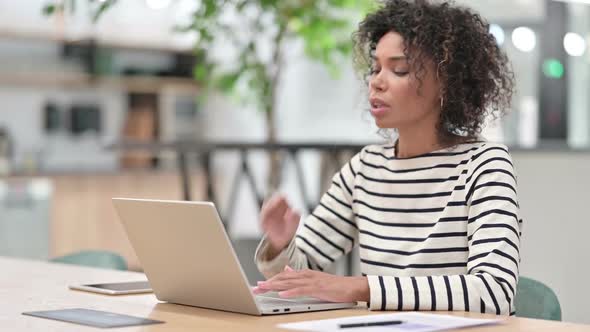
[32,285]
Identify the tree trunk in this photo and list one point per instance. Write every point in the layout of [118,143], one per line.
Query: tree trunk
[274,166]
[274,174]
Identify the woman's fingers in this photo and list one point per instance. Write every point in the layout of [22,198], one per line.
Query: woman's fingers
[257,290]
[297,292]
[287,274]
[284,280]
[271,205]
[281,285]
[292,217]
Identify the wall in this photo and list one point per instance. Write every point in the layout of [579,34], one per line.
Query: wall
[554,192]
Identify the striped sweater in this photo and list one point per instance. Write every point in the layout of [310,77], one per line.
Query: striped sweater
[440,231]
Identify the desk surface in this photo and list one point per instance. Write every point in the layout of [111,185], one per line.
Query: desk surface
[32,285]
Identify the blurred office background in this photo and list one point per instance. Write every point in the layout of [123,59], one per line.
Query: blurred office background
[71,88]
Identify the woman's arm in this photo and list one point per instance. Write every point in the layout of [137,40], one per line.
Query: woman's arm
[327,234]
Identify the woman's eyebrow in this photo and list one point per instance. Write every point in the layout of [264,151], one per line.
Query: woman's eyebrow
[397,57]
[393,58]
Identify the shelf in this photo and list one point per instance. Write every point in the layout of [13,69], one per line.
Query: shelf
[138,84]
[54,37]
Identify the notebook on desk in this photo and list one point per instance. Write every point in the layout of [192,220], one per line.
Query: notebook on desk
[188,259]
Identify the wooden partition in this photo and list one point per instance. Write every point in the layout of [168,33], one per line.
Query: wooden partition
[83,217]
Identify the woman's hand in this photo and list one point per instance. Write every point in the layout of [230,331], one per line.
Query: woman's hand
[279,222]
[324,286]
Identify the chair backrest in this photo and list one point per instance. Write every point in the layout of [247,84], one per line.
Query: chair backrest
[535,300]
[94,258]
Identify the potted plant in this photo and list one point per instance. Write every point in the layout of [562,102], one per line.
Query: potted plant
[324,26]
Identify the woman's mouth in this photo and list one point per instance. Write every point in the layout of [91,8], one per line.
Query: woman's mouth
[378,107]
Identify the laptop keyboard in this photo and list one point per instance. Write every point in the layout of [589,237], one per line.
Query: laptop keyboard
[272,301]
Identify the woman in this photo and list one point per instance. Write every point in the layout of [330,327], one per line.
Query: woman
[435,214]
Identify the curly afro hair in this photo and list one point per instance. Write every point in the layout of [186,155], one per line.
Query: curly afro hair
[475,75]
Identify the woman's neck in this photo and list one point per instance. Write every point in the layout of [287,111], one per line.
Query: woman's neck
[416,144]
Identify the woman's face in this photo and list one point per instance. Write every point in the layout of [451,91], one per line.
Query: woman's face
[396,101]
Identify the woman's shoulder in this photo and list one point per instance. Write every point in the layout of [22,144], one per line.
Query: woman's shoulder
[490,155]
[376,153]
[386,148]
[487,148]
[372,154]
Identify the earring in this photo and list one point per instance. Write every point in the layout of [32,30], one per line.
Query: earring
[442,102]
[438,69]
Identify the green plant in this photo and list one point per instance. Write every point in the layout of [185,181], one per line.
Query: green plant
[324,26]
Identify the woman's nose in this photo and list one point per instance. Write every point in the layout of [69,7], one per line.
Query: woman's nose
[376,83]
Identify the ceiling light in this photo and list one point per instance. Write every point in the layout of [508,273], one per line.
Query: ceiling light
[524,39]
[574,44]
[498,33]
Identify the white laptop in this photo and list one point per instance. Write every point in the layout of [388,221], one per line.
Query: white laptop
[188,259]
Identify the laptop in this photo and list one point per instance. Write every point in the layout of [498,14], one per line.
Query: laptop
[188,259]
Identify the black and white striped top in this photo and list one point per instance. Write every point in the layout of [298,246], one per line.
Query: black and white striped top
[440,231]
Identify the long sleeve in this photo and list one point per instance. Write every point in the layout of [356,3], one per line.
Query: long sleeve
[329,232]
[493,230]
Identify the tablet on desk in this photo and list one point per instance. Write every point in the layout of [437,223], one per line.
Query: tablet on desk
[94,318]
[116,288]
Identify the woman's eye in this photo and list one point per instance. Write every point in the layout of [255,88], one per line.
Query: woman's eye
[400,73]
[374,71]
